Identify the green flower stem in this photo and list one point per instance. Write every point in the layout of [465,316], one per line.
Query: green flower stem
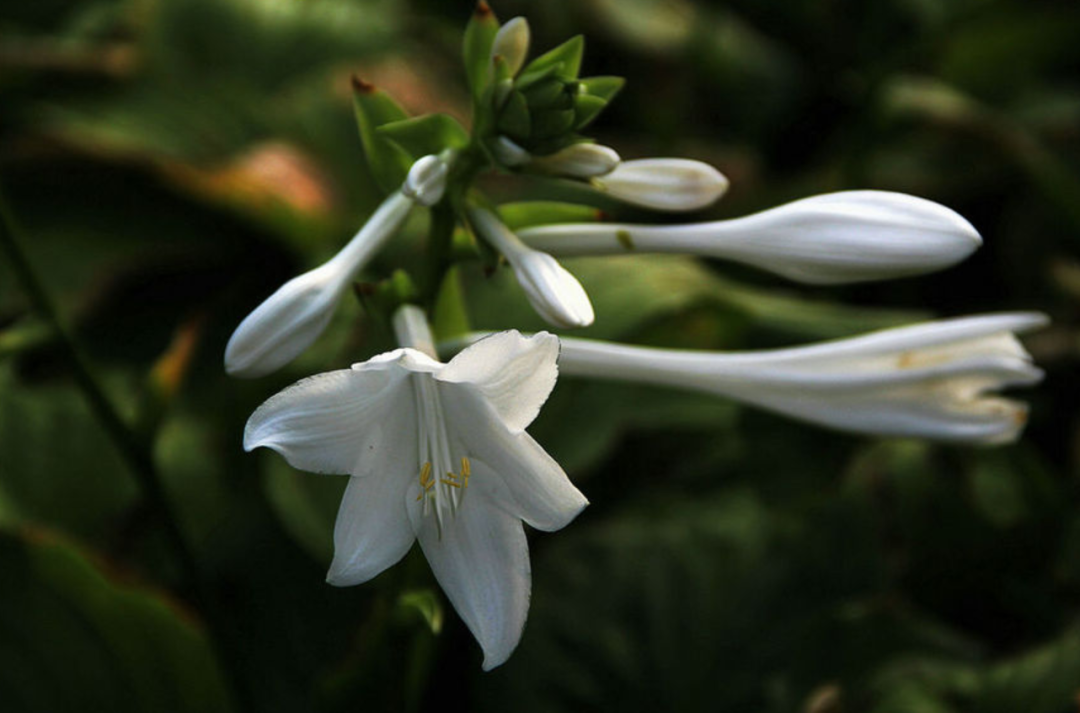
[134,451]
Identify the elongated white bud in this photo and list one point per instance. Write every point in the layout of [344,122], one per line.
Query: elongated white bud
[837,238]
[934,380]
[289,320]
[673,184]
[578,161]
[512,44]
[552,291]
[508,153]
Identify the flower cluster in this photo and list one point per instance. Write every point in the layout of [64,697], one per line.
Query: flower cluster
[437,452]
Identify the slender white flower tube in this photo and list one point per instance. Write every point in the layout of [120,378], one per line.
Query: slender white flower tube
[436,453]
[578,161]
[289,320]
[672,184]
[512,44]
[552,291]
[836,238]
[933,380]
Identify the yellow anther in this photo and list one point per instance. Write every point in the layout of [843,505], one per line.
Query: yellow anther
[425,475]
[451,483]
[466,471]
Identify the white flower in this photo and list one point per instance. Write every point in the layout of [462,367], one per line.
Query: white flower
[578,161]
[674,184]
[552,291]
[931,380]
[288,321]
[837,238]
[437,453]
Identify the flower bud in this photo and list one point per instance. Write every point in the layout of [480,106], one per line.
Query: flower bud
[673,184]
[512,44]
[426,181]
[553,292]
[837,238]
[578,161]
[508,153]
[289,320]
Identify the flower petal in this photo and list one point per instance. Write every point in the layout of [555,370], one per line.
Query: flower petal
[329,422]
[372,531]
[537,489]
[514,373]
[481,560]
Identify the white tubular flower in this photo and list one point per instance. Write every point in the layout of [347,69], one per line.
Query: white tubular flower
[931,380]
[837,238]
[289,320]
[672,184]
[436,453]
[512,44]
[578,161]
[552,291]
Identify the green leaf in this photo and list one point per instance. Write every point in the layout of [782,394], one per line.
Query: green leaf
[476,49]
[428,134]
[514,120]
[603,87]
[450,317]
[526,214]
[568,54]
[75,639]
[388,162]
[587,108]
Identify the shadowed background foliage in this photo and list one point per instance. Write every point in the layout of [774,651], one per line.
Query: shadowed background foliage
[170,162]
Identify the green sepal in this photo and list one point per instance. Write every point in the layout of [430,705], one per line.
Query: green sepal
[428,134]
[545,94]
[526,214]
[552,123]
[527,79]
[388,162]
[476,48]
[569,54]
[603,87]
[514,119]
[586,108]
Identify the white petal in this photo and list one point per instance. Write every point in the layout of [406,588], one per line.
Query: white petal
[514,373]
[481,561]
[673,184]
[330,422]
[372,531]
[521,476]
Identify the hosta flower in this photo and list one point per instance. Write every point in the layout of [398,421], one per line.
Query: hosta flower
[851,236]
[289,320]
[436,453]
[578,161]
[552,291]
[674,184]
[934,380]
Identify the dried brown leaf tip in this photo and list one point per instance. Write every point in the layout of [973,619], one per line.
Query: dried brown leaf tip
[482,9]
[360,85]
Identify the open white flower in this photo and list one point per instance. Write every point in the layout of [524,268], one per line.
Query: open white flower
[933,380]
[436,453]
[850,236]
[552,291]
[674,184]
[288,321]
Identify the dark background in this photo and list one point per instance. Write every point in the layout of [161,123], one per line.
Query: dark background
[170,162]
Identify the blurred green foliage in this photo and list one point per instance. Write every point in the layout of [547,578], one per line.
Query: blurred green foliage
[171,162]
